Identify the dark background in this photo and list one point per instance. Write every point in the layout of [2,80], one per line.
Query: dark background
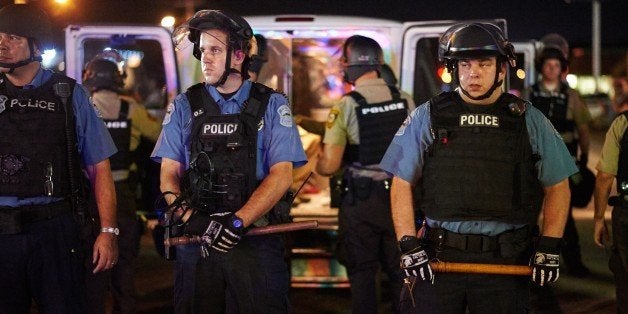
[527,19]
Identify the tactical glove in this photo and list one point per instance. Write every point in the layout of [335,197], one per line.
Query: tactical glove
[545,261]
[224,231]
[414,259]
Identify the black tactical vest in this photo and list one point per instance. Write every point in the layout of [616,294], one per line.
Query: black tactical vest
[480,166]
[377,125]
[34,135]
[120,130]
[622,169]
[554,107]
[223,148]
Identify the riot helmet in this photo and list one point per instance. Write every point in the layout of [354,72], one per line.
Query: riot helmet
[239,37]
[258,58]
[105,72]
[475,40]
[360,55]
[551,52]
[28,21]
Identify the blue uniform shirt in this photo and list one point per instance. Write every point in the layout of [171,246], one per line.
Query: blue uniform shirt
[93,139]
[406,155]
[277,141]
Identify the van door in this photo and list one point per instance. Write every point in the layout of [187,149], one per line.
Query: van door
[423,75]
[150,62]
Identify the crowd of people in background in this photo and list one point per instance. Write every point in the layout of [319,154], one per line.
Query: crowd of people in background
[462,178]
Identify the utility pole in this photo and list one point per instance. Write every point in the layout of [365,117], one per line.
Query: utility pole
[596,42]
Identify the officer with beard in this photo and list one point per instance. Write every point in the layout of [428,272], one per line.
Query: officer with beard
[49,131]
[482,164]
[227,148]
[358,130]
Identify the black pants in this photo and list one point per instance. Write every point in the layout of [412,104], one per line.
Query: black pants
[367,240]
[619,257]
[43,263]
[456,292]
[251,278]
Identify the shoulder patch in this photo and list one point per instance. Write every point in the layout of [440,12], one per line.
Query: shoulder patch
[331,118]
[169,112]
[404,125]
[285,116]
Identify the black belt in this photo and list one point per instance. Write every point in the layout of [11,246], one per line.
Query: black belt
[12,219]
[473,242]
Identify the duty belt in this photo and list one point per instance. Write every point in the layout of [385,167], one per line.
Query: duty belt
[12,219]
[473,242]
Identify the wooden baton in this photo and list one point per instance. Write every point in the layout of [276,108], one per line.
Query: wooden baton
[472,268]
[279,228]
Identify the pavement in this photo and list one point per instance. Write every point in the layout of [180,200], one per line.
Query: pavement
[592,294]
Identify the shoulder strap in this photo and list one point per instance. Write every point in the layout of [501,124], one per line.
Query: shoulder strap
[357,97]
[396,94]
[200,101]
[124,110]
[258,100]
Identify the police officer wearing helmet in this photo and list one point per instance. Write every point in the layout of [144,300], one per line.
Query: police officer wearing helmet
[563,106]
[358,130]
[482,164]
[41,204]
[127,122]
[613,165]
[228,145]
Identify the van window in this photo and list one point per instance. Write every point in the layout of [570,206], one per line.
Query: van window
[144,66]
[428,71]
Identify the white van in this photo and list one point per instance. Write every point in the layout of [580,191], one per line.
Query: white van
[302,54]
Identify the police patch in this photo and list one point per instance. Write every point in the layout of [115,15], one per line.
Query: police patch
[285,116]
[169,112]
[404,125]
[475,119]
[331,118]
[3,99]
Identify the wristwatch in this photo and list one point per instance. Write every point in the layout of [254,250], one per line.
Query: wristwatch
[115,231]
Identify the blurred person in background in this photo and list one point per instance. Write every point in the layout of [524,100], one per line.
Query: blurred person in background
[357,133]
[613,165]
[127,123]
[569,115]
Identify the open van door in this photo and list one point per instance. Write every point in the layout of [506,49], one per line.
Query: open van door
[423,75]
[148,52]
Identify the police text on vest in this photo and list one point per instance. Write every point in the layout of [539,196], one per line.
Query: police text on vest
[219,128]
[479,120]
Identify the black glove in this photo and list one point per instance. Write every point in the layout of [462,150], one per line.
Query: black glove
[414,259]
[224,231]
[545,261]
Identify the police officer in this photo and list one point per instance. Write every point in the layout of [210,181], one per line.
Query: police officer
[358,130]
[614,164]
[127,122]
[41,205]
[238,143]
[569,115]
[480,162]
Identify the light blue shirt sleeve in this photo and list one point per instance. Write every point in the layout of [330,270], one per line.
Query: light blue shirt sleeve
[556,164]
[280,140]
[174,140]
[405,155]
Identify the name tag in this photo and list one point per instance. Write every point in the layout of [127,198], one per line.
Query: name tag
[467,120]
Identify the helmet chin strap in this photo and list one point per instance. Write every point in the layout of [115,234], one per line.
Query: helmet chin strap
[228,70]
[32,58]
[488,94]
